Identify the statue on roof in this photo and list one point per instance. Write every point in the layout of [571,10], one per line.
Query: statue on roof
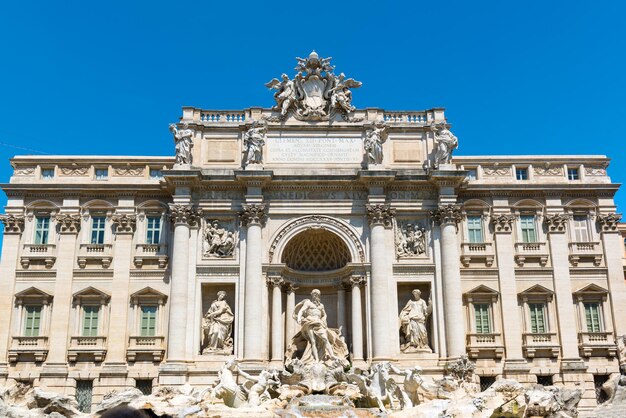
[446,142]
[182,138]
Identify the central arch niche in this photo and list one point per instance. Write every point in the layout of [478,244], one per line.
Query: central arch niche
[316,250]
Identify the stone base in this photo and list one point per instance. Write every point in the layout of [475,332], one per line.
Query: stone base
[173,374]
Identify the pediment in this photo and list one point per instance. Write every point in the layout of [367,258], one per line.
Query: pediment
[537,290]
[481,292]
[148,293]
[91,293]
[591,289]
[34,294]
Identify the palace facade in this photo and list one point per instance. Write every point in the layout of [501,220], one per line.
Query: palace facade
[110,264]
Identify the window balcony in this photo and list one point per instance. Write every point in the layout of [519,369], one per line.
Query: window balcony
[95,254]
[585,251]
[91,347]
[485,345]
[531,251]
[44,254]
[481,251]
[28,349]
[151,254]
[152,348]
[544,344]
[597,344]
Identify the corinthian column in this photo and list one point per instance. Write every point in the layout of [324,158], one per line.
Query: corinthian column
[252,217]
[183,217]
[290,323]
[448,217]
[357,320]
[380,217]
[275,284]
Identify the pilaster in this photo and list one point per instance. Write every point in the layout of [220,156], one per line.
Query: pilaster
[611,243]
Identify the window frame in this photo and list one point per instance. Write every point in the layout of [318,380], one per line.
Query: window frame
[97,176]
[25,327]
[524,169]
[45,238]
[43,170]
[100,229]
[575,227]
[481,223]
[149,230]
[90,297]
[535,228]
[148,297]
[571,170]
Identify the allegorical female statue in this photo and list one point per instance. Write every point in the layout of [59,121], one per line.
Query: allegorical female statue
[182,138]
[217,325]
[253,141]
[414,336]
[374,139]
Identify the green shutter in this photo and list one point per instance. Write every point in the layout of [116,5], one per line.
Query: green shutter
[33,321]
[528,228]
[148,321]
[475,229]
[90,321]
[537,318]
[481,314]
[592,317]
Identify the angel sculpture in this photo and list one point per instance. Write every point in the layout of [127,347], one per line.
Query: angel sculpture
[285,95]
[446,143]
[182,138]
[374,143]
[340,94]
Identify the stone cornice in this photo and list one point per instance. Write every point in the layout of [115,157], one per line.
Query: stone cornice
[13,224]
[557,222]
[68,223]
[183,214]
[252,214]
[502,222]
[608,222]
[447,215]
[124,223]
[380,214]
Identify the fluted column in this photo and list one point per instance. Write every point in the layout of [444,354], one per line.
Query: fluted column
[182,217]
[357,317]
[252,217]
[380,217]
[290,323]
[448,217]
[275,284]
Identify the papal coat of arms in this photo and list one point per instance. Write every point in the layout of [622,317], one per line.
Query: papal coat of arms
[315,93]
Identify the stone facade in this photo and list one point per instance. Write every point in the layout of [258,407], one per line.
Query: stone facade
[111,266]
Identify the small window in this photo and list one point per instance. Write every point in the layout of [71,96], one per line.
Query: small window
[592,317]
[97,229]
[581,228]
[90,321]
[153,230]
[486,382]
[32,323]
[144,385]
[148,321]
[84,393]
[573,174]
[481,315]
[528,226]
[545,380]
[521,173]
[155,173]
[42,229]
[537,318]
[475,229]
[102,173]
[598,381]
[47,173]
[471,174]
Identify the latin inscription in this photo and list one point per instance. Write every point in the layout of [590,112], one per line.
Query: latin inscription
[303,150]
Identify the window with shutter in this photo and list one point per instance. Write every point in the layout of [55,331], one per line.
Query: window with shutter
[90,321]
[481,314]
[581,229]
[529,232]
[475,229]
[148,321]
[537,318]
[592,317]
[33,321]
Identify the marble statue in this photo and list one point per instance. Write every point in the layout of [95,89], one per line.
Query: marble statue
[340,94]
[217,325]
[285,95]
[410,240]
[182,138]
[621,352]
[411,385]
[257,392]
[227,389]
[374,139]
[315,342]
[253,141]
[413,324]
[446,143]
[218,241]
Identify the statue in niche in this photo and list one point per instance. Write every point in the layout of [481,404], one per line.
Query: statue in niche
[218,241]
[410,240]
[315,342]
[182,138]
[446,143]
[253,141]
[217,325]
[414,336]
[374,139]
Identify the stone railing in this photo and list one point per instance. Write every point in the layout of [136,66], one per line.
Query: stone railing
[45,253]
[151,253]
[90,346]
[531,251]
[100,254]
[406,117]
[489,344]
[477,250]
[222,116]
[589,251]
[35,346]
[536,344]
[597,344]
[153,347]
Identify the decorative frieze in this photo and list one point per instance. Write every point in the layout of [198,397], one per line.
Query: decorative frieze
[124,223]
[502,223]
[497,171]
[182,214]
[448,214]
[608,222]
[129,171]
[219,241]
[380,214]
[252,214]
[68,223]
[74,171]
[24,171]
[557,222]
[595,171]
[548,171]
[13,224]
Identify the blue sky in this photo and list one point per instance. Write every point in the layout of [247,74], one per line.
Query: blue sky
[515,77]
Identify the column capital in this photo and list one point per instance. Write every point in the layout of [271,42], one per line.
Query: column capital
[183,214]
[608,222]
[447,215]
[357,281]
[275,281]
[252,214]
[68,223]
[289,287]
[13,224]
[124,223]
[557,222]
[380,214]
[502,222]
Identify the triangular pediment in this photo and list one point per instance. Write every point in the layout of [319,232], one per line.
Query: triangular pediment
[591,289]
[482,290]
[537,290]
[91,293]
[148,293]
[32,293]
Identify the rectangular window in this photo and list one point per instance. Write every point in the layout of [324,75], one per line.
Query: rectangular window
[33,321]
[155,173]
[153,230]
[90,321]
[521,173]
[537,318]
[97,229]
[481,315]
[144,385]
[47,173]
[572,174]
[102,173]
[475,229]
[84,392]
[148,321]
[471,174]
[581,229]
[529,232]
[42,228]
[592,317]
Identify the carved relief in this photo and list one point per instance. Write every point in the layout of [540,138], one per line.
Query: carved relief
[374,139]
[74,171]
[557,222]
[24,171]
[595,171]
[68,223]
[13,224]
[252,214]
[448,214]
[410,239]
[185,214]
[548,171]
[124,223]
[502,222]
[129,171]
[217,327]
[380,214]
[219,241]
[609,222]
[497,171]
